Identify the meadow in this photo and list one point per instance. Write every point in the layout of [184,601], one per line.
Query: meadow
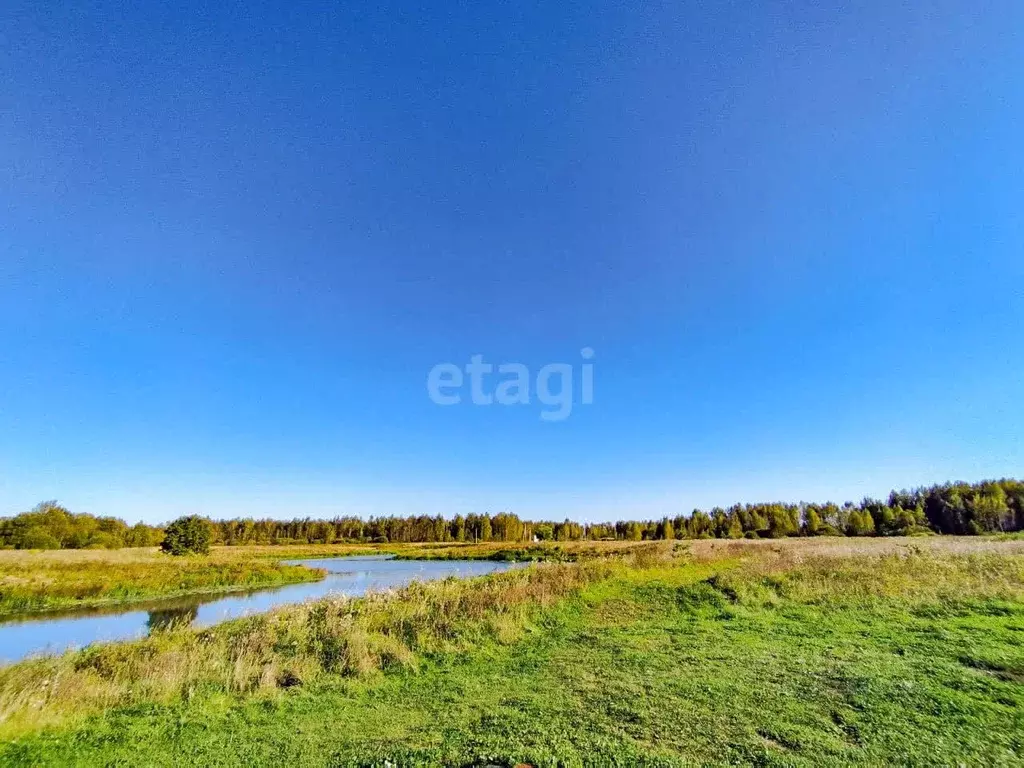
[792,652]
[43,580]
[33,581]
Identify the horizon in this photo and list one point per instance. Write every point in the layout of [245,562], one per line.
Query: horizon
[255,260]
[448,516]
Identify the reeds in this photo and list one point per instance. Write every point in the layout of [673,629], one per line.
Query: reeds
[32,581]
[286,647]
[300,644]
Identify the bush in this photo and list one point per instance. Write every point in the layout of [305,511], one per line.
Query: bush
[101,540]
[188,535]
[39,538]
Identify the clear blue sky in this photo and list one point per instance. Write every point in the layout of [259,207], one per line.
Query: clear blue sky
[235,237]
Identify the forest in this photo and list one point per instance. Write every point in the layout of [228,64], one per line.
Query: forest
[994,506]
[51,526]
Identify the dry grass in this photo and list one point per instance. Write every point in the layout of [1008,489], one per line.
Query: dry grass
[295,551]
[358,637]
[558,551]
[33,581]
[862,572]
[799,549]
[285,647]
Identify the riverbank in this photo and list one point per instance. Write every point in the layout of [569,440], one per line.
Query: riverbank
[40,581]
[290,646]
[33,582]
[37,582]
[504,551]
[768,653]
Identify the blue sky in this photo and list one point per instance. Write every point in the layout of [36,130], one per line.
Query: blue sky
[235,238]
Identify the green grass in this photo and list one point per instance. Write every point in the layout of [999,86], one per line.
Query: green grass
[57,580]
[547,551]
[35,581]
[913,660]
[305,643]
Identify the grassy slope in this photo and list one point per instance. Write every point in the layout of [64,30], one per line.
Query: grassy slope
[837,664]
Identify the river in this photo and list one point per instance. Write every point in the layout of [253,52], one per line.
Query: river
[24,636]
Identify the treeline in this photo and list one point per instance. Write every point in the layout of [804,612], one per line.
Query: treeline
[954,508]
[385,530]
[51,526]
[960,508]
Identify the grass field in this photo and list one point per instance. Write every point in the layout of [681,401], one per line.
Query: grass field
[34,581]
[548,551]
[796,652]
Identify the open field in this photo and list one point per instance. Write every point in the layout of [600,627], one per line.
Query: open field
[799,547]
[32,581]
[785,652]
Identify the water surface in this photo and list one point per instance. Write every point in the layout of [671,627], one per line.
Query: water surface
[54,632]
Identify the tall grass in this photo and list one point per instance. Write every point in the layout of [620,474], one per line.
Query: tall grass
[286,647]
[546,551]
[918,578]
[32,581]
[41,580]
[360,637]
[932,577]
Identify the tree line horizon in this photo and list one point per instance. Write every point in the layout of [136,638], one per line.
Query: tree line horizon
[991,506]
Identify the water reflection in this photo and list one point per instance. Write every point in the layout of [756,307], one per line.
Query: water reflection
[167,618]
[54,632]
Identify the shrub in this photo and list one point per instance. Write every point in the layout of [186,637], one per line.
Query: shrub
[188,535]
[39,538]
[101,540]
